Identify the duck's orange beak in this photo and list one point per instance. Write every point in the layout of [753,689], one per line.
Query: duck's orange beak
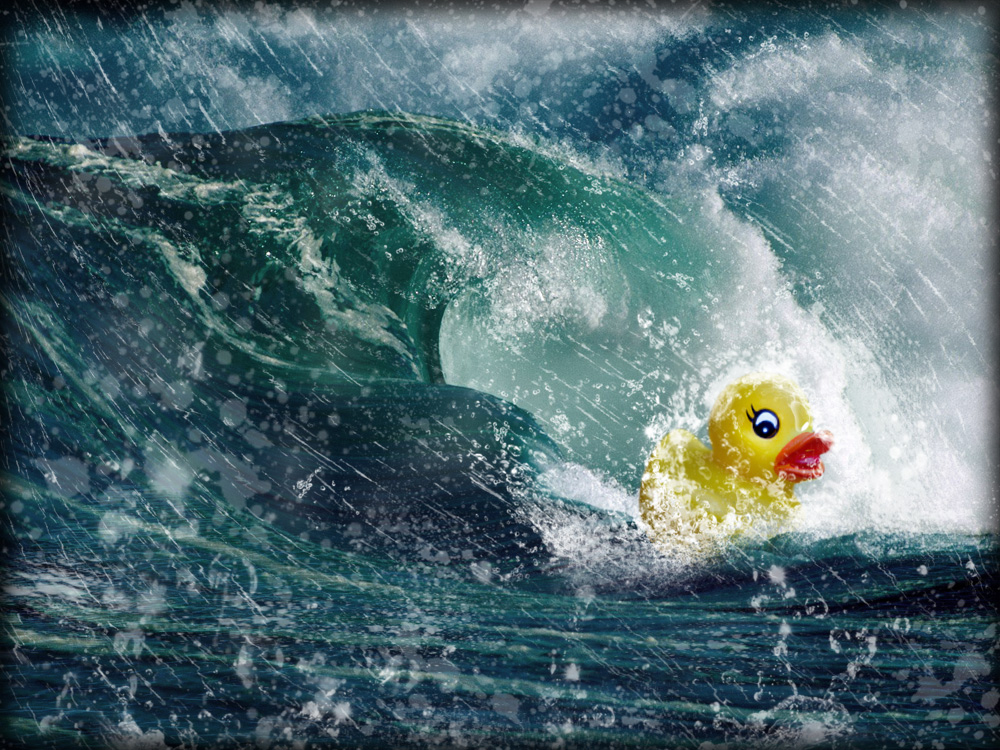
[799,459]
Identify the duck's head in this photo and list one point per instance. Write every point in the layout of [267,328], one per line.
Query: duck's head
[761,428]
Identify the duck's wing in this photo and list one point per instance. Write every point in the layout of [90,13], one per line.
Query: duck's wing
[670,480]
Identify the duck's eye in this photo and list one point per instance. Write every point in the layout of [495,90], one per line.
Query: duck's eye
[765,422]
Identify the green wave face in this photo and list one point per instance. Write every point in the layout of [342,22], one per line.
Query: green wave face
[329,250]
[262,308]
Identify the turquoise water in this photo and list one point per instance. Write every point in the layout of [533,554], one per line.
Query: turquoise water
[326,417]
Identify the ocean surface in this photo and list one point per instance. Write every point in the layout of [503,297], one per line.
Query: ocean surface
[336,340]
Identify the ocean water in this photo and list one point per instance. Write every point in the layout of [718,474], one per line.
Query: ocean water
[336,340]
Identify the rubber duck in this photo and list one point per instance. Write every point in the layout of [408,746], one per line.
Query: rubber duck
[763,445]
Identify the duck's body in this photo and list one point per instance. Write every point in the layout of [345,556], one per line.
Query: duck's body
[761,447]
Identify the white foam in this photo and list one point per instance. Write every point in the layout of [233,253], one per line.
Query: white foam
[579,483]
[560,278]
[896,220]
[773,72]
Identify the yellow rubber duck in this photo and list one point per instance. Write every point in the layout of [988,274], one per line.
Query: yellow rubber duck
[762,446]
